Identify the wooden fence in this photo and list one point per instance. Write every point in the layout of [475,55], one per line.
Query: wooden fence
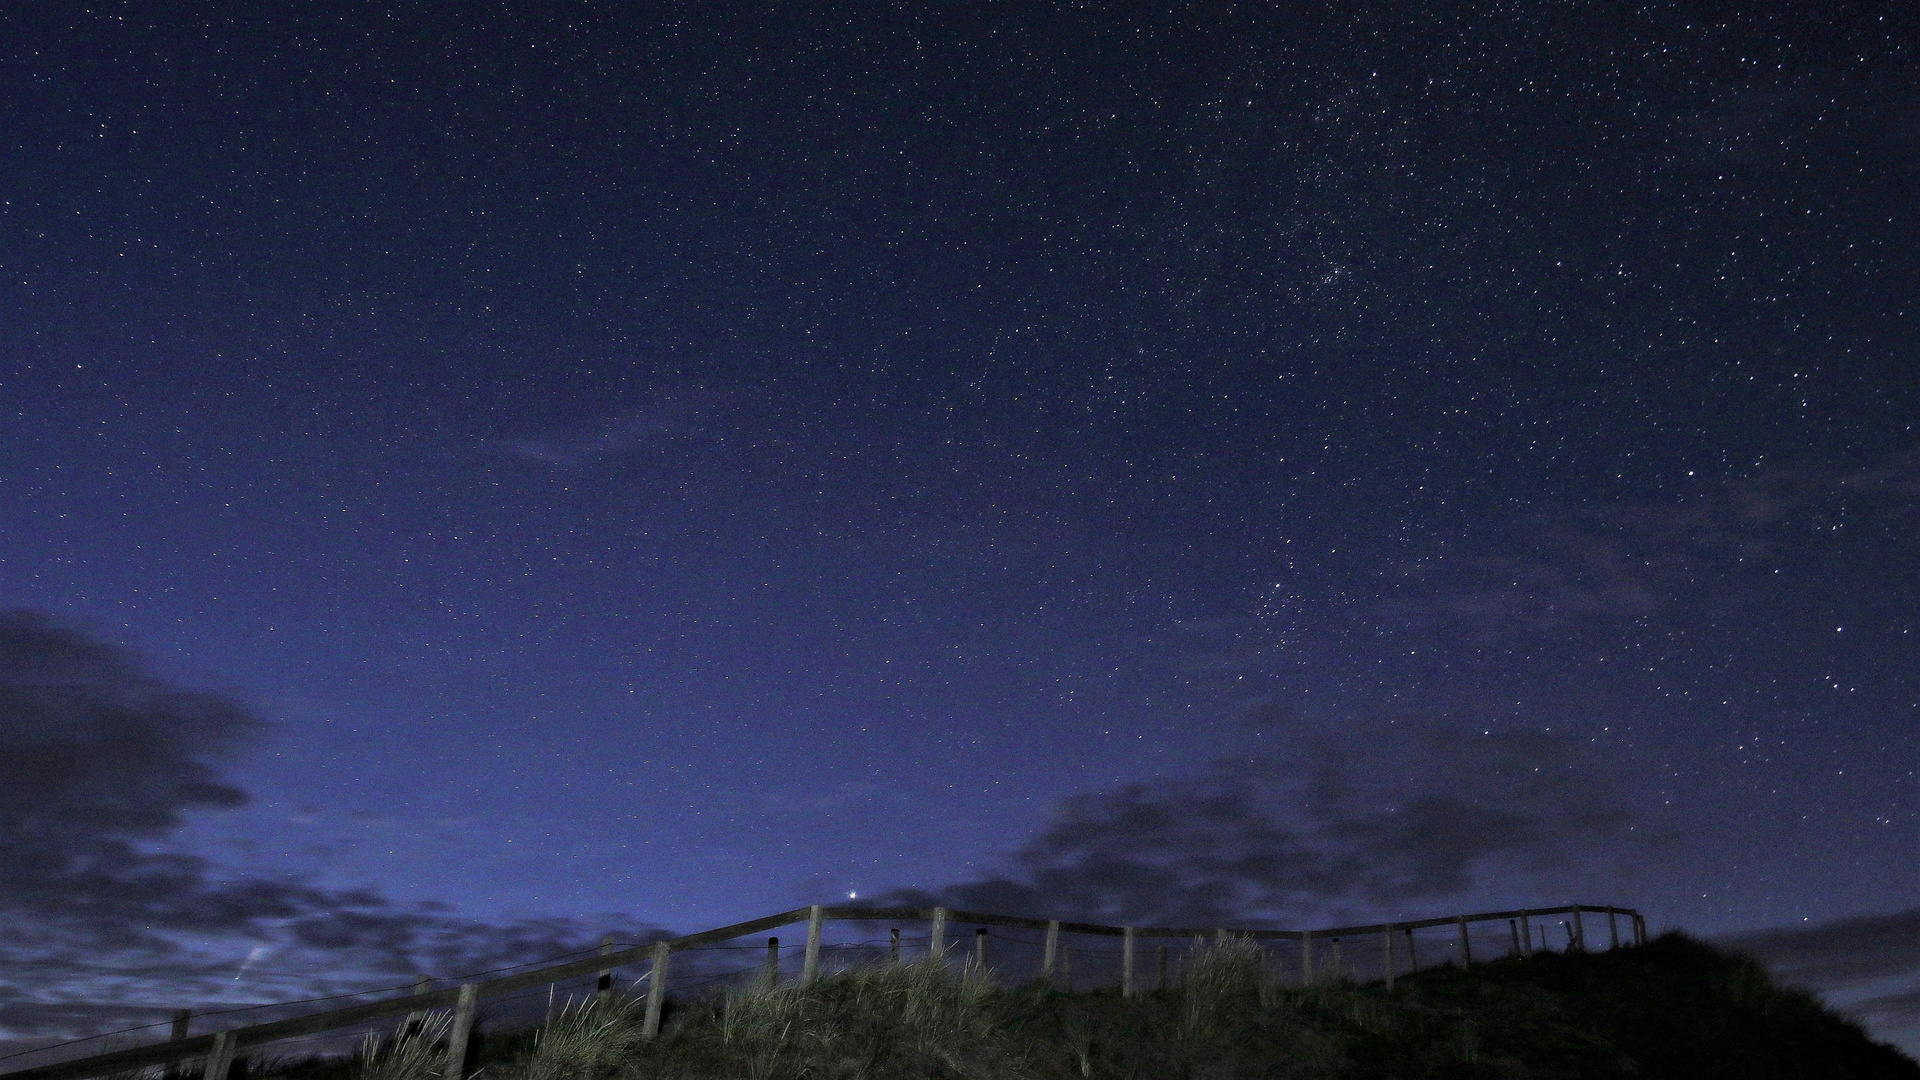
[217,1050]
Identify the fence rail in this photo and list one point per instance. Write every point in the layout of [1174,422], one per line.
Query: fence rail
[218,1049]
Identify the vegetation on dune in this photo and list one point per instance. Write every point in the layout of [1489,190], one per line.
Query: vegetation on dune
[412,1054]
[1675,1008]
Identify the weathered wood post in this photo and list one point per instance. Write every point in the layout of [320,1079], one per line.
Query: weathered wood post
[1126,961]
[656,990]
[810,967]
[1466,944]
[463,1010]
[1513,930]
[421,983]
[1306,958]
[773,961]
[182,1019]
[605,986]
[1160,964]
[1639,929]
[980,948]
[1613,930]
[1526,933]
[893,946]
[1579,932]
[1386,952]
[220,1058]
[1336,960]
[1050,950]
[937,944]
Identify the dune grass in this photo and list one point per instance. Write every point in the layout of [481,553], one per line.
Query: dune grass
[1675,1008]
[416,1052]
[918,1020]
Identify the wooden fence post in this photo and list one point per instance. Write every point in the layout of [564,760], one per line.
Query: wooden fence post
[605,986]
[656,989]
[1579,932]
[1613,930]
[1639,929]
[463,1010]
[182,1019]
[810,967]
[1526,933]
[1126,961]
[980,948]
[220,1058]
[1386,952]
[421,983]
[893,946]
[1050,950]
[937,944]
[1306,958]
[773,962]
[1466,944]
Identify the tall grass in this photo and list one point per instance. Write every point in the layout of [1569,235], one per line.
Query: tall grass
[595,1038]
[1223,981]
[416,1052]
[1674,1009]
[916,1019]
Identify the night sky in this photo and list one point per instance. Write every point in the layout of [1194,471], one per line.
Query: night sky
[611,465]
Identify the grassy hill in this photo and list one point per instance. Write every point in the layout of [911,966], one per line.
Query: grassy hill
[1675,1008]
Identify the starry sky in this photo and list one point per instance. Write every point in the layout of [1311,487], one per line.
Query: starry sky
[476,476]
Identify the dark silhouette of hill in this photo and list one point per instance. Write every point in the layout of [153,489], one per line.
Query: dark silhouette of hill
[1675,1009]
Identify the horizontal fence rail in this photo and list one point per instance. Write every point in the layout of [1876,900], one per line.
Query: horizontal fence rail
[218,1049]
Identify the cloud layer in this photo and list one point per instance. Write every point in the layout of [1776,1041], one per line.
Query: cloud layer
[1871,964]
[99,759]
[96,756]
[1371,818]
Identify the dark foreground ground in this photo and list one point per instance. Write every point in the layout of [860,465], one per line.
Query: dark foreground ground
[1675,1008]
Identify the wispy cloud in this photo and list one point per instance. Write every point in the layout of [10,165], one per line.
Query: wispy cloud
[690,414]
[1372,818]
[1844,953]
[1622,561]
[1868,966]
[98,760]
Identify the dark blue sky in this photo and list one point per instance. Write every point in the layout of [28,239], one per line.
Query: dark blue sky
[679,461]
